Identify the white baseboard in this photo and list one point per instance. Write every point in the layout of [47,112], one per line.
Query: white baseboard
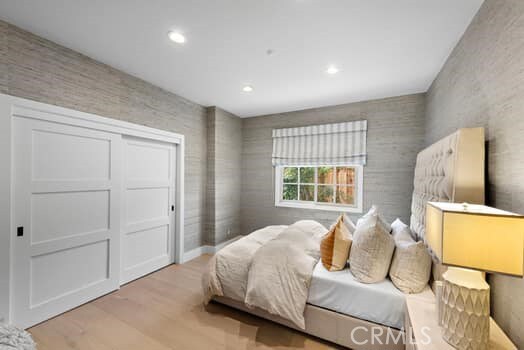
[195,253]
[207,249]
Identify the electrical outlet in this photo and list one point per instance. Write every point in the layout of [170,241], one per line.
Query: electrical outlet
[228,232]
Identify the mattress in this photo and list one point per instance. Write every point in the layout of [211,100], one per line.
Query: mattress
[338,291]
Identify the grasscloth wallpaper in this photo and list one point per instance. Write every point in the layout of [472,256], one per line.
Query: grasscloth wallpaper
[395,136]
[224,143]
[482,84]
[40,70]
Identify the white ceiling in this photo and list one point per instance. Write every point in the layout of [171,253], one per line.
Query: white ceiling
[382,47]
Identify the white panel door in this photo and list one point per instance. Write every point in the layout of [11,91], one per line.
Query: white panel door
[67,184]
[147,240]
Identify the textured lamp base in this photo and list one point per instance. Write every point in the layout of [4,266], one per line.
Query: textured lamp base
[465,309]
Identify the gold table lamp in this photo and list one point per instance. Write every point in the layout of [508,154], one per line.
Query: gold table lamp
[472,239]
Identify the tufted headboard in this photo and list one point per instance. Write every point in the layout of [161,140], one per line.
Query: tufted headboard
[450,170]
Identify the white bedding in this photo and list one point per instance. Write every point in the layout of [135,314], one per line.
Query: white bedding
[269,269]
[379,302]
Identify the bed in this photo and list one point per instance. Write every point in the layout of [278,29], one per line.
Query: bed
[339,291]
[340,309]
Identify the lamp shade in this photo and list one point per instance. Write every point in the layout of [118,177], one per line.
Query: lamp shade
[476,237]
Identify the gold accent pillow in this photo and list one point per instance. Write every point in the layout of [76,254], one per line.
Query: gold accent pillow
[335,246]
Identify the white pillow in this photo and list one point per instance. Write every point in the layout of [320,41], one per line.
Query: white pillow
[411,265]
[372,248]
[401,231]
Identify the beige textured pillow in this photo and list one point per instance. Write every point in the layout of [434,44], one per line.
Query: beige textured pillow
[411,265]
[372,217]
[372,249]
[334,248]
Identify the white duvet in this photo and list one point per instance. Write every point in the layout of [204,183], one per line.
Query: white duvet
[270,269]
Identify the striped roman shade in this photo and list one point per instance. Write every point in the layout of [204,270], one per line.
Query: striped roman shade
[327,144]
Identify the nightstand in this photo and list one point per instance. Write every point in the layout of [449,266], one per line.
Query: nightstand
[422,327]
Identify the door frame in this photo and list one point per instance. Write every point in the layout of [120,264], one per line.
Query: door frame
[11,107]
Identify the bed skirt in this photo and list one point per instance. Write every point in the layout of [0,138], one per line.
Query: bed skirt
[335,327]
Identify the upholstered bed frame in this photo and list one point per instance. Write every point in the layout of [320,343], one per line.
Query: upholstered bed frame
[451,170]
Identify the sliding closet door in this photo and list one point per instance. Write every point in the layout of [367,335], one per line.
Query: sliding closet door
[67,217]
[148,207]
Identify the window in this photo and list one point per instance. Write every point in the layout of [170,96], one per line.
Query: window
[337,188]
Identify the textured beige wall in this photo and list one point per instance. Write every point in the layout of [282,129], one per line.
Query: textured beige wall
[395,136]
[224,142]
[3,57]
[40,70]
[482,84]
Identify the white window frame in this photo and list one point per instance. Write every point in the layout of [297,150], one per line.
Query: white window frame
[359,186]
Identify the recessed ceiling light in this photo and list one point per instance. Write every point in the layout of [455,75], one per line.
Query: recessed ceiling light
[332,70]
[247,88]
[176,37]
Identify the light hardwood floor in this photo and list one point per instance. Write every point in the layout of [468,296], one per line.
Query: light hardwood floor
[164,311]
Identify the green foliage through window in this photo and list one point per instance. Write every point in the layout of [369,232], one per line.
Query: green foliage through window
[325,194]
[307,175]
[307,193]
[290,175]
[290,192]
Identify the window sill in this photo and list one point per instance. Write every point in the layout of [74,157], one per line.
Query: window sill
[316,206]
